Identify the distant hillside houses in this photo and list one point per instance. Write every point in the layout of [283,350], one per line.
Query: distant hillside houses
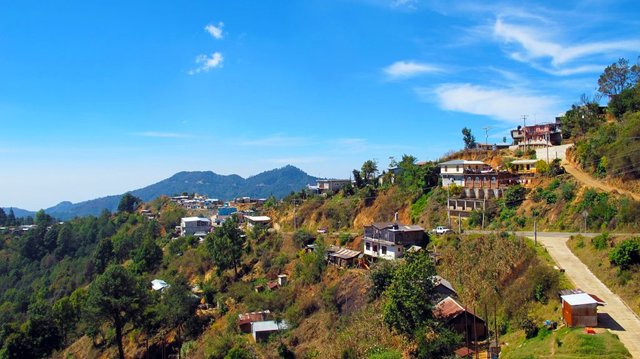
[329,185]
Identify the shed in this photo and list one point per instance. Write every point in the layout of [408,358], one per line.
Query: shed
[245,319]
[580,310]
[443,287]
[342,256]
[460,319]
[262,330]
[159,284]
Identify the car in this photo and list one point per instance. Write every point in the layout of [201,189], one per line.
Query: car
[441,230]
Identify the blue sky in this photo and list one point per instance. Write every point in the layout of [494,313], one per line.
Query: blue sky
[101,97]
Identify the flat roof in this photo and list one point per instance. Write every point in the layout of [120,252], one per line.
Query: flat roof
[462,162]
[192,219]
[579,299]
[268,326]
[258,218]
[523,162]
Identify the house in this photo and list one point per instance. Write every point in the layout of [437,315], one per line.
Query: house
[580,309]
[454,171]
[487,184]
[342,257]
[523,166]
[443,288]
[329,185]
[159,284]
[537,136]
[460,319]
[388,240]
[263,329]
[246,319]
[262,221]
[195,226]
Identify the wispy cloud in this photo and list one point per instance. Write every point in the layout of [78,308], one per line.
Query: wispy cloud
[535,43]
[409,4]
[505,104]
[215,31]
[162,134]
[207,63]
[277,140]
[406,69]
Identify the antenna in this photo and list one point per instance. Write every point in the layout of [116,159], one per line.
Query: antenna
[524,130]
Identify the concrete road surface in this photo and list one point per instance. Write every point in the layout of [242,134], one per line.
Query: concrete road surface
[615,315]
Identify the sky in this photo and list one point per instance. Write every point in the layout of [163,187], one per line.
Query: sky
[101,97]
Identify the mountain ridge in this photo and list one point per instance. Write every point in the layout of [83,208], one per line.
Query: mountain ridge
[277,182]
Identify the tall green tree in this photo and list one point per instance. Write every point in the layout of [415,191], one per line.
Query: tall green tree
[409,297]
[147,257]
[357,178]
[3,217]
[128,203]
[117,296]
[468,138]
[226,245]
[369,170]
[11,218]
[618,77]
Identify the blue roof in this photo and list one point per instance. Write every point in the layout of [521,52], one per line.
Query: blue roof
[227,211]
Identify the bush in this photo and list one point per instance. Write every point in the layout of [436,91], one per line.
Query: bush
[302,237]
[345,238]
[600,241]
[567,190]
[529,327]
[542,167]
[626,253]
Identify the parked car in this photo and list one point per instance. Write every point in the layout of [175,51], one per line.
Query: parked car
[441,230]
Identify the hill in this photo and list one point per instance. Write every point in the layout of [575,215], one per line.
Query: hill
[277,182]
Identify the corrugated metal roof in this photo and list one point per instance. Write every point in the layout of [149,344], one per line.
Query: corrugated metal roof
[449,308]
[345,253]
[268,326]
[252,317]
[194,219]
[579,299]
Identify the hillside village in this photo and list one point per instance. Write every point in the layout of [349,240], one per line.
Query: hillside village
[424,259]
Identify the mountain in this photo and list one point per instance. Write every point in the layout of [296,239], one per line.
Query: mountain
[277,182]
[19,212]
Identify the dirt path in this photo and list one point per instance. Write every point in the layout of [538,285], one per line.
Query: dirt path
[615,315]
[589,181]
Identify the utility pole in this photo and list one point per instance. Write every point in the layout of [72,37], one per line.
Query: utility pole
[524,130]
[548,147]
[484,207]
[459,223]
[535,231]
[486,135]
[448,207]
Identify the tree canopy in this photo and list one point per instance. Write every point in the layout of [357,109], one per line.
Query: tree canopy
[225,245]
[617,77]
[128,203]
[468,138]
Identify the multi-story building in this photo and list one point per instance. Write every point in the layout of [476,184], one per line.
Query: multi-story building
[388,240]
[195,226]
[537,136]
[455,171]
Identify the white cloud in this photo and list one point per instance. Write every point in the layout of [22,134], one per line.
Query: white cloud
[215,31]
[406,69]
[538,41]
[411,4]
[505,104]
[207,63]
[162,134]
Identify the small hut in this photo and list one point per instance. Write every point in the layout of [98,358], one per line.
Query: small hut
[580,310]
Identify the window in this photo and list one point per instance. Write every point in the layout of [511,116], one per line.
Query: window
[457,168]
[367,246]
[375,248]
[384,249]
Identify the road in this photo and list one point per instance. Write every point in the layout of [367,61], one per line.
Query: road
[589,181]
[615,315]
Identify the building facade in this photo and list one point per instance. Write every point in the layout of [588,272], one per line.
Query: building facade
[388,240]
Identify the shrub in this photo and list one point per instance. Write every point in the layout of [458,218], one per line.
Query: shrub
[381,276]
[345,238]
[600,241]
[302,237]
[542,167]
[626,253]
[567,190]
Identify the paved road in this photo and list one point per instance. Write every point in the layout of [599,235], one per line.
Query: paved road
[615,315]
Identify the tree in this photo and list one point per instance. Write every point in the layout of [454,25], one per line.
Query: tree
[65,242]
[409,297]
[117,296]
[617,77]
[357,178]
[11,218]
[42,217]
[3,217]
[369,170]
[147,256]
[102,255]
[128,203]
[225,245]
[626,101]
[468,138]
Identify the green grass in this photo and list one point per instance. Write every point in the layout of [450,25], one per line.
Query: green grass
[564,343]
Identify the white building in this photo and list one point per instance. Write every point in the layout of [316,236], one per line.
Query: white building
[329,185]
[389,240]
[257,221]
[452,172]
[195,226]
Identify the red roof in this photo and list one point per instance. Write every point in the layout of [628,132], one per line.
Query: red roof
[463,352]
[449,308]
[252,317]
